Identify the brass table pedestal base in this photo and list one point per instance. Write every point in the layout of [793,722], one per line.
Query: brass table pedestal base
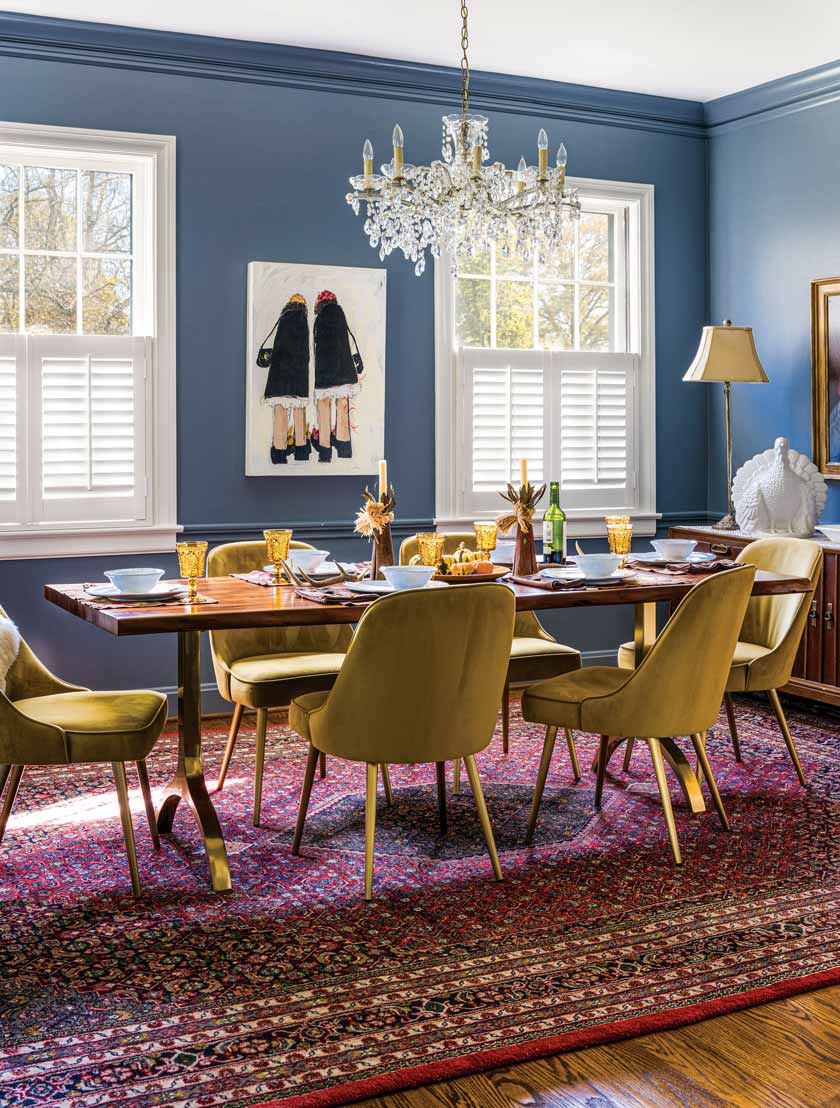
[188,783]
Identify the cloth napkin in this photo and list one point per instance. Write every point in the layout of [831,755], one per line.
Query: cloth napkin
[260,577]
[681,568]
[550,584]
[334,594]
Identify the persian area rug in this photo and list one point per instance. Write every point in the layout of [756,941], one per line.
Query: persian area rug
[294,993]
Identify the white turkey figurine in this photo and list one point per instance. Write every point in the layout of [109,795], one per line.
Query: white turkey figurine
[778,492]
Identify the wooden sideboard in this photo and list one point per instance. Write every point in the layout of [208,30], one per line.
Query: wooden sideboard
[816,675]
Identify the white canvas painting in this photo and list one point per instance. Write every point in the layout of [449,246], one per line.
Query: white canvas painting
[311,411]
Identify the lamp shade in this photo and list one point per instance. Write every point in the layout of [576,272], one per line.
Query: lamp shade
[726,353]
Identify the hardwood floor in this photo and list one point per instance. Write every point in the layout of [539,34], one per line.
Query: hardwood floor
[780,1055]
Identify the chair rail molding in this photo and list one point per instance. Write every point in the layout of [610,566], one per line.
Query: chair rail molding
[189,55]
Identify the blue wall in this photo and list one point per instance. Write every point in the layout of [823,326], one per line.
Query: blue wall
[774,227]
[262,167]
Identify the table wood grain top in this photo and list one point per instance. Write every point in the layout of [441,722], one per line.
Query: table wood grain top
[239,604]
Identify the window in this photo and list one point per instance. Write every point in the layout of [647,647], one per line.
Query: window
[87,460]
[552,361]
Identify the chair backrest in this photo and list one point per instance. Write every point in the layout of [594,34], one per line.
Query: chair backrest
[527,624]
[423,677]
[777,622]
[28,676]
[229,646]
[678,687]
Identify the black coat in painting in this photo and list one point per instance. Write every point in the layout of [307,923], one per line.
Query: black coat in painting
[288,374]
[335,371]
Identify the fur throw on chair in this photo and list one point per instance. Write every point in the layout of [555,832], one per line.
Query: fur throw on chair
[9,647]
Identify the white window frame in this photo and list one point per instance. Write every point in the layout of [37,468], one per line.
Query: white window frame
[152,159]
[452,461]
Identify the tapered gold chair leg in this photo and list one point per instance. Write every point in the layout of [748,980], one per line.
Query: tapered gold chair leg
[506,719]
[699,742]
[235,722]
[603,758]
[386,785]
[145,789]
[570,742]
[322,765]
[662,783]
[456,776]
[440,772]
[628,754]
[262,724]
[370,827]
[9,800]
[733,726]
[780,716]
[125,819]
[5,770]
[305,793]
[484,818]
[542,775]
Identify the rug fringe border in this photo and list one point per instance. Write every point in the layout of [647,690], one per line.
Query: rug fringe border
[481,1061]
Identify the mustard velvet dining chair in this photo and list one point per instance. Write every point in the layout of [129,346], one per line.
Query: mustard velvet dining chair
[267,667]
[534,653]
[45,721]
[675,690]
[770,636]
[421,683]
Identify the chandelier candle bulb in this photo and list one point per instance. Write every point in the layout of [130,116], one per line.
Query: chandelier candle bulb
[367,161]
[521,174]
[542,154]
[561,166]
[398,151]
[476,161]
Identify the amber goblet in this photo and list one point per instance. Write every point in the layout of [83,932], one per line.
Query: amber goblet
[485,538]
[191,557]
[430,544]
[619,534]
[277,544]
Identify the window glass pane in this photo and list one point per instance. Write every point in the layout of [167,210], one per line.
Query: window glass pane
[560,265]
[557,317]
[512,265]
[472,313]
[106,212]
[49,196]
[9,219]
[594,247]
[595,318]
[9,293]
[50,294]
[474,263]
[106,309]
[515,315]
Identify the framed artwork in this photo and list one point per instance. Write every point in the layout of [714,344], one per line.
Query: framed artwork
[825,374]
[315,370]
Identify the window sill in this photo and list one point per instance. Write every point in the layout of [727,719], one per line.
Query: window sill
[84,543]
[579,524]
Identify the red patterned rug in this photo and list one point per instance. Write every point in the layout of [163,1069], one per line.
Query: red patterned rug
[292,992]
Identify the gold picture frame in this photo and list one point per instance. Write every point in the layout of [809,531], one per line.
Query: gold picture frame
[825,374]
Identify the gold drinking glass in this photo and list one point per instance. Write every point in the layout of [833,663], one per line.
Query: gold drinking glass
[430,544]
[191,557]
[619,534]
[277,545]
[485,538]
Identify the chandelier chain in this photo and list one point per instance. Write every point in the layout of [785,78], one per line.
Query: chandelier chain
[465,64]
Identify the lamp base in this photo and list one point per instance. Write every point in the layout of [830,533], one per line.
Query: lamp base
[728,523]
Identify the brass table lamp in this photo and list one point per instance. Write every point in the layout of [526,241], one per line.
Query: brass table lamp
[727,354]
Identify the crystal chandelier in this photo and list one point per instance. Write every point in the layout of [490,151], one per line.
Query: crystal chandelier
[462,205]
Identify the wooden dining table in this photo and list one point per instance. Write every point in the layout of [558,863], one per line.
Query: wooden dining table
[231,603]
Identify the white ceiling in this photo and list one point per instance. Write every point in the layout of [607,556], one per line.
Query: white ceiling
[685,48]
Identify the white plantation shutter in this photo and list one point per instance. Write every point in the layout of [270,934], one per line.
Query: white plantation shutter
[12,384]
[594,428]
[89,454]
[504,404]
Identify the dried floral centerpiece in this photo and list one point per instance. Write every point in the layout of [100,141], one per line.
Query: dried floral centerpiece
[524,502]
[374,519]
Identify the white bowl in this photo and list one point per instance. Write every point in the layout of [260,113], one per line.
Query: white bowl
[140,579]
[673,550]
[307,560]
[831,531]
[598,566]
[408,577]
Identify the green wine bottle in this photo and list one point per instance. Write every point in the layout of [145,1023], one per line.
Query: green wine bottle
[554,529]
